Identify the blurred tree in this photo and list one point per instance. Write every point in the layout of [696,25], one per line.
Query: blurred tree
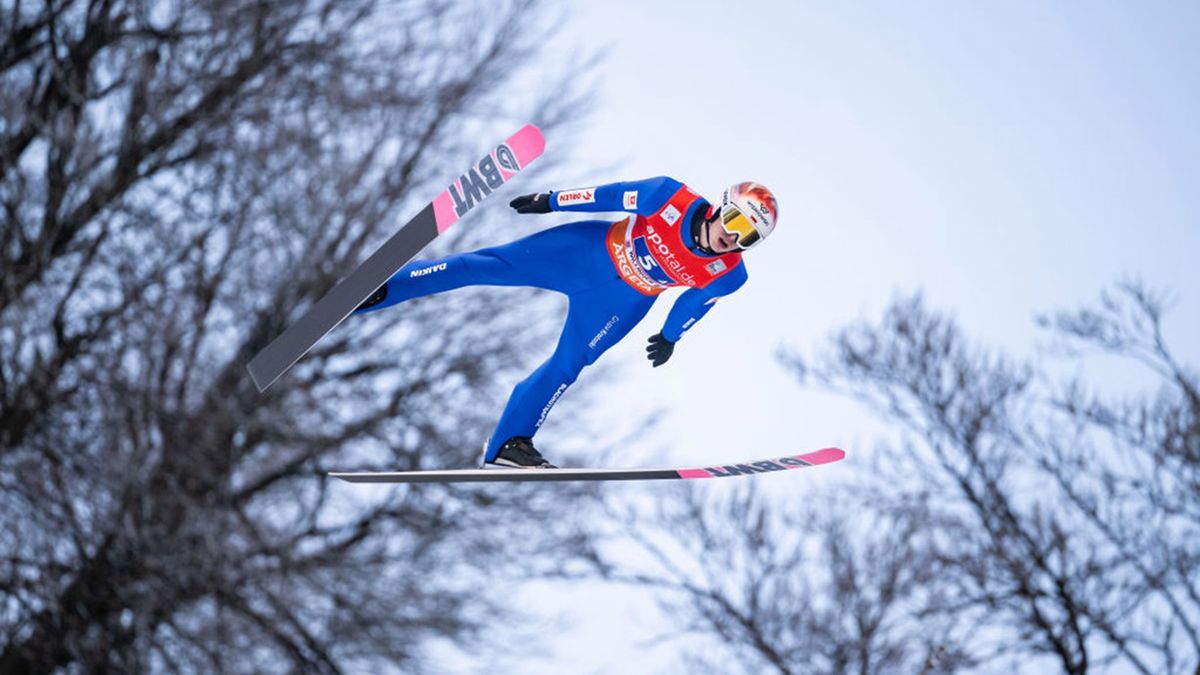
[1129,467]
[1015,523]
[1066,522]
[178,182]
[817,584]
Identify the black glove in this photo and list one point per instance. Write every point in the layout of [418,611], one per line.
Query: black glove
[535,203]
[660,349]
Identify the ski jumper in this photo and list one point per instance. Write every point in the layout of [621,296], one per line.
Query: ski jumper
[611,273]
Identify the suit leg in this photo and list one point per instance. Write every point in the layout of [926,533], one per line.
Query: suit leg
[596,320]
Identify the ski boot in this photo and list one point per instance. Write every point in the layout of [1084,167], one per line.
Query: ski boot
[518,453]
[375,298]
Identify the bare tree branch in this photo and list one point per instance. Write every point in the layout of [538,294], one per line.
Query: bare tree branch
[179,181]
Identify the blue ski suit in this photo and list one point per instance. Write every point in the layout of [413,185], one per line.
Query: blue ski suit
[576,259]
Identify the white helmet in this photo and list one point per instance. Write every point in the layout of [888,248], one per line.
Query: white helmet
[750,211]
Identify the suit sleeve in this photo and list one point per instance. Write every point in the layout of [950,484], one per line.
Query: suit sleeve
[694,303]
[642,197]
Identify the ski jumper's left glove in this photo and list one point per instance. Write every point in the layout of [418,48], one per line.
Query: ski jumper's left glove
[534,203]
[659,350]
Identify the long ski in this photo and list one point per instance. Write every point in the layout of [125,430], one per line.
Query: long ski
[826,456]
[489,174]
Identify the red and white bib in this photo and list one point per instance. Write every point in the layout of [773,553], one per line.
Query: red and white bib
[649,251]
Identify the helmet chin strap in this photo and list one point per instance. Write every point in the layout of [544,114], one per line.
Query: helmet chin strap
[701,226]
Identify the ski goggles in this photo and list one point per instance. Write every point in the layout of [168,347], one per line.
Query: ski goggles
[736,223]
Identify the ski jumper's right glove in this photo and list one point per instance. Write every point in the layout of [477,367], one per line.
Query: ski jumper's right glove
[534,203]
[659,350]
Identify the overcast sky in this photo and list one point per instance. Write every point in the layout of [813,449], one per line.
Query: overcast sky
[1008,158]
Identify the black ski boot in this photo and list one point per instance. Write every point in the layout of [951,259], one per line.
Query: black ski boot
[518,453]
[375,298]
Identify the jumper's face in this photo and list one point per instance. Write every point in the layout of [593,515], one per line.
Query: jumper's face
[719,240]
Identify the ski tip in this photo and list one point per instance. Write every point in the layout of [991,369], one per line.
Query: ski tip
[824,456]
[528,143]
